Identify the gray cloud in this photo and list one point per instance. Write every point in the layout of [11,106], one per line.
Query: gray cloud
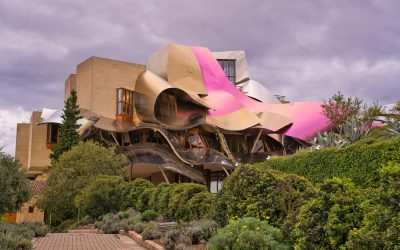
[305,50]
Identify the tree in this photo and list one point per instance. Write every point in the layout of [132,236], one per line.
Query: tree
[340,110]
[68,136]
[104,194]
[14,186]
[73,171]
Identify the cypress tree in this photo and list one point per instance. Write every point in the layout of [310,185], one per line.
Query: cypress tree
[68,136]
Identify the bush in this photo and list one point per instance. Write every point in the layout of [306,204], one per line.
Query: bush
[155,197]
[202,206]
[135,191]
[149,215]
[38,228]
[73,171]
[380,225]
[265,194]
[175,238]
[360,163]
[325,221]
[150,232]
[19,236]
[130,213]
[14,241]
[104,194]
[181,194]
[201,231]
[143,199]
[247,234]
[110,224]
[138,227]
[14,184]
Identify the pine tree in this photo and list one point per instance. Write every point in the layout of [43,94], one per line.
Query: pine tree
[68,136]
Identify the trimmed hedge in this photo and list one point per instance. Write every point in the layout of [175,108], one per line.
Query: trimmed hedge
[360,163]
[265,194]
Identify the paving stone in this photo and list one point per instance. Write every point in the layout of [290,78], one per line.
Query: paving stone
[86,241]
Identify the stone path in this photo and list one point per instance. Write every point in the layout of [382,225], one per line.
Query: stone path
[87,241]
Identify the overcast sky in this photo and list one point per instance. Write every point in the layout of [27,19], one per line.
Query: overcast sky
[305,50]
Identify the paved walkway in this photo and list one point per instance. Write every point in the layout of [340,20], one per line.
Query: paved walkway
[87,241]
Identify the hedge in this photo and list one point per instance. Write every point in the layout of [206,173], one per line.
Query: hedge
[360,163]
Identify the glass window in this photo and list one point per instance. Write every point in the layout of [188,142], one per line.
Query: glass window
[216,181]
[52,133]
[166,106]
[228,65]
[124,102]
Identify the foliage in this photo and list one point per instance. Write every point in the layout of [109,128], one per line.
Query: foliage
[73,171]
[149,215]
[339,109]
[38,228]
[138,227]
[247,234]
[180,196]
[174,238]
[14,241]
[135,191]
[380,226]
[103,194]
[150,232]
[68,135]
[265,194]
[19,236]
[360,163]
[202,206]
[201,231]
[354,130]
[14,185]
[329,139]
[394,128]
[375,135]
[325,221]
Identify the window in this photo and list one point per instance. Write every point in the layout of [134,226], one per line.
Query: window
[235,143]
[229,68]
[52,133]
[124,102]
[166,106]
[30,209]
[216,180]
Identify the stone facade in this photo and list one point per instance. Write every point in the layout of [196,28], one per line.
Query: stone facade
[97,80]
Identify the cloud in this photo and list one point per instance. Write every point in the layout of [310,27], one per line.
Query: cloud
[8,127]
[305,50]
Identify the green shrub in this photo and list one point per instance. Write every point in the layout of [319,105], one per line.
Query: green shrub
[73,171]
[155,197]
[247,234]
[135,190]
[360,163]
[325,221]
[201,231]
[19,236]
[175,239]
[149,215]
[103,194]
[138,227]
[38,228]
[150,232]
[109,224]
[130,213]
[181,194]
[380,225]
[202,206]
[143,199]
[265,194]
[14,241]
